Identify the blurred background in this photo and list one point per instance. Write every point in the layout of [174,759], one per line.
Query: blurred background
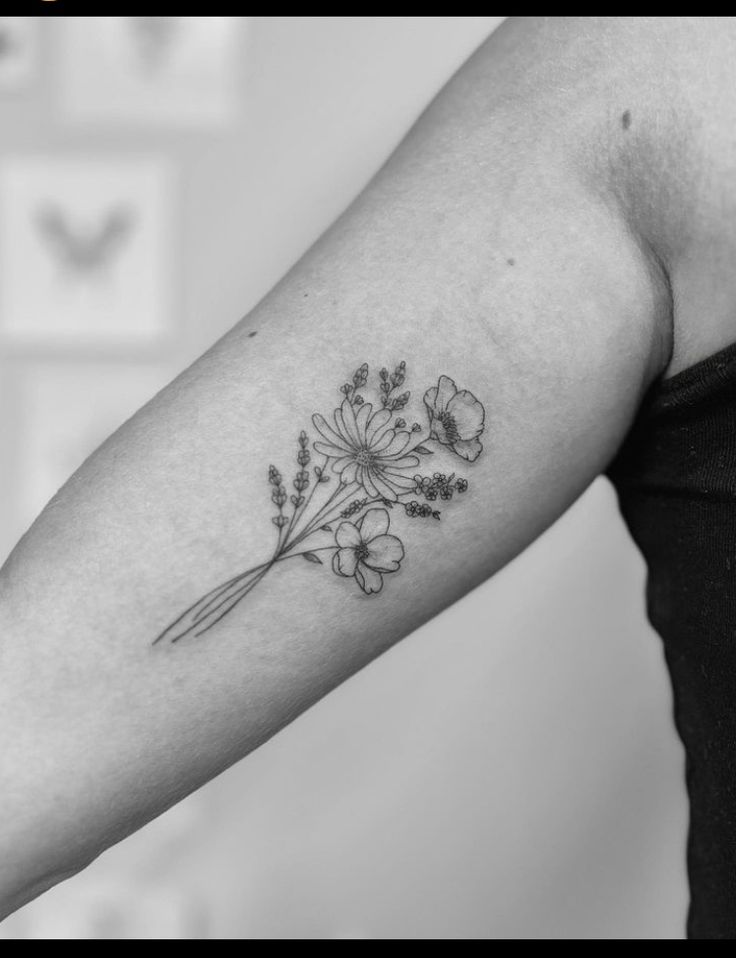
[511,769]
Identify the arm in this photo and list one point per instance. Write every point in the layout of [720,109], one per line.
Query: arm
[483,252]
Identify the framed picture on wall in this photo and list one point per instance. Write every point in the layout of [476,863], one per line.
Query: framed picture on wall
[100,904]
[172,70]
[85,250]
[65,410]
[18,52]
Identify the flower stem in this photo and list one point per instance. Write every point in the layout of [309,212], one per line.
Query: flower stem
[300,510]
[224,598]
[310,522]
[293,555]
[208,610]
[227,605]
[217,594]
[323,515]
[207,605]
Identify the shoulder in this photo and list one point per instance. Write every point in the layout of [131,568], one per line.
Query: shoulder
[662,148]
[619,128]
[642,110]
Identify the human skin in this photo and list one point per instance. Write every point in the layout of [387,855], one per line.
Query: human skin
[554,234]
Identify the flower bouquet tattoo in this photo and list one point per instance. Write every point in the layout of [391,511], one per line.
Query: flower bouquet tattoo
[368,464]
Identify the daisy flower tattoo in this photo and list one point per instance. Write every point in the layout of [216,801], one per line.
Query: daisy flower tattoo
[368,464]
[364,448]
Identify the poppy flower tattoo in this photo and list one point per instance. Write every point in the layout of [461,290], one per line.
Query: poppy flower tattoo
[340,505]
[456,418]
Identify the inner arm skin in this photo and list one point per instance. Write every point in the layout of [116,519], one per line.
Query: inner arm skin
[493,248]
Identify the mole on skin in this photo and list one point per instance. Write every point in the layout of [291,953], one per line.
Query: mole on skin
[251,335]
[511,261]
[626,119]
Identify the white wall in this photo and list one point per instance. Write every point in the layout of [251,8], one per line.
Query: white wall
[511,769]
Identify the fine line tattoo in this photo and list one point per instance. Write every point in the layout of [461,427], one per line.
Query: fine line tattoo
[339,510]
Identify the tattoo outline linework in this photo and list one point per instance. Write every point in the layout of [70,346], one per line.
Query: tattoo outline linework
[372,455]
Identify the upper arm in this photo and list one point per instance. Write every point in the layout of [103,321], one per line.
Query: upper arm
[481,253]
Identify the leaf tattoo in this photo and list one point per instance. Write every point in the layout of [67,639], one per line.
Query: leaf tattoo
[369,457]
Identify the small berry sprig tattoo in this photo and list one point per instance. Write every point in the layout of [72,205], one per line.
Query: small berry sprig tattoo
[340,506]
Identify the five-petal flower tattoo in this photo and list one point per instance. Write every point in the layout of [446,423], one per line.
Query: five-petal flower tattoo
[341,506]
[365,550]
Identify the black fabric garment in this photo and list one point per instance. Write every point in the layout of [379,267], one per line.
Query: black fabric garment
[676,481]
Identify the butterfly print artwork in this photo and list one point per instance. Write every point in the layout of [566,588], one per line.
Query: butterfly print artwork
[85,251]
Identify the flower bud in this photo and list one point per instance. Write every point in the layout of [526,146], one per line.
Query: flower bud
[360,376]
[301,481]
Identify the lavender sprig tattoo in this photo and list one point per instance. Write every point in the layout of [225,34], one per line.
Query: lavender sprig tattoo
[369,459]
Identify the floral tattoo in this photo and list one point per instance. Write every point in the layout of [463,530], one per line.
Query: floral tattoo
[341,505]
